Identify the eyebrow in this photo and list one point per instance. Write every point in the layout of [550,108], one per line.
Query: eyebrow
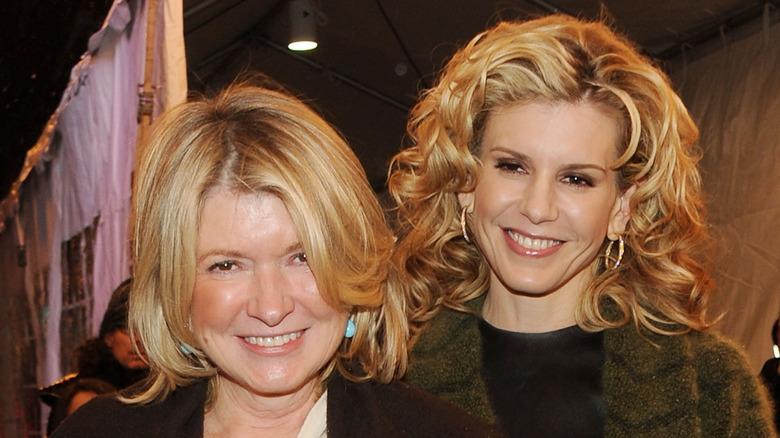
[220,252]
[576,167]
[293,247]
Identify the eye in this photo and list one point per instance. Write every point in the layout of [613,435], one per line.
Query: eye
[578,180]
[509,166]
[300,258]
[223,266]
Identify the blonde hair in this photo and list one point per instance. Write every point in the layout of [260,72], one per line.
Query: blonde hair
[553,59]
[250,139]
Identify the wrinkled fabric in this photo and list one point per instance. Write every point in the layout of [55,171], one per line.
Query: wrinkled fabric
[78,177]
[734,97]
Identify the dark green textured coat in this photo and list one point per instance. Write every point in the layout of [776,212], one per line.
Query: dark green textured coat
[692,385]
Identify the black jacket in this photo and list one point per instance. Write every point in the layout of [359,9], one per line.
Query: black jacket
[363,409]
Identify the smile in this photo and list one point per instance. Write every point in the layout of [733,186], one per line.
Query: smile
[534,244]
[272,341]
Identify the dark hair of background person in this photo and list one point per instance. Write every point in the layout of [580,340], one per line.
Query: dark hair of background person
[770,375]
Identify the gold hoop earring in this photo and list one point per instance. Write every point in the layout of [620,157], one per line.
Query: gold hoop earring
[463,225]
[621,250]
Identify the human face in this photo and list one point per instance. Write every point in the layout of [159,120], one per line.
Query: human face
[256,310]
[121,345]
[546,197]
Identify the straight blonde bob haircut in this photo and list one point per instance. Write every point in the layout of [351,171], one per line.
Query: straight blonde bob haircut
[251,139]
[661,284]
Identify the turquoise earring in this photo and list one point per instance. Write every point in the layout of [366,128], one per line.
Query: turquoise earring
[350,330]
[184,349]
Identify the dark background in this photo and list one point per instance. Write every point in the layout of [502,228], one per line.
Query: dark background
[40,41]
[374,55]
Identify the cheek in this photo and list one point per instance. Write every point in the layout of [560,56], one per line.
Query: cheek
[607,206]
[487,200]
[211,306]
[314,303]
[121,346]
[593,212]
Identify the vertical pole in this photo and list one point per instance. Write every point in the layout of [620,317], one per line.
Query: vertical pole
[147,90]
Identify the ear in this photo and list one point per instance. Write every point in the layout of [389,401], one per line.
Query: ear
[466,200]
[621,212]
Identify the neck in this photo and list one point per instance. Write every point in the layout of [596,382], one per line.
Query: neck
[239,413]
[530,313]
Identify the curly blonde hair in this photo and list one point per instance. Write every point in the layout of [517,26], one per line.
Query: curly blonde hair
[661,284]
[250,139]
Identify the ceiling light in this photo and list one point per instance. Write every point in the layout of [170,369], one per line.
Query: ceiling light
[303,26]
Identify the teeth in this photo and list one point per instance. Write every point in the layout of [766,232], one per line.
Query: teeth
[535,244]
[272,341]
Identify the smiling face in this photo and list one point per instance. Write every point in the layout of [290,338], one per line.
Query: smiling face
[546,197]
[256,310]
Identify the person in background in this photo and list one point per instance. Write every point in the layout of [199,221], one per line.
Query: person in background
[770,372]
[105,363]
[72,396]
[260,255]
[114,356]
[552,243]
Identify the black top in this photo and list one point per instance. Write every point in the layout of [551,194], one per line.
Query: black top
[771,378]
[355,409]
[545,384]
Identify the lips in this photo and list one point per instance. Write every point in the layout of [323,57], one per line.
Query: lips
[272,341]
[534,244]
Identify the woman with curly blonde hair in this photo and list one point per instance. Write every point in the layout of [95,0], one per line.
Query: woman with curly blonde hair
[552,243]
[260,263]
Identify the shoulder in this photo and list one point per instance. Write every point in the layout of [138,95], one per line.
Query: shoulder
[690,376]
[179,415]
[720,363]
[732,399]
[101,416]
[708,355]
[717,356]
[395,409]
[446,360]
[449,325]
[632,343]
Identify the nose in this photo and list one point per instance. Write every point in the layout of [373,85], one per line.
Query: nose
[270,301]
[538,200]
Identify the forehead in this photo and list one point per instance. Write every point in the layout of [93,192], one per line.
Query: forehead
[252,213]
[238,196]
[568,131]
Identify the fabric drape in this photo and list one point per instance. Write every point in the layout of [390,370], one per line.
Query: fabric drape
[734,96]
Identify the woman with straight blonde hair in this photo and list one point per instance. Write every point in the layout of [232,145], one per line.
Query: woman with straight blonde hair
[553,241]
[261,255]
